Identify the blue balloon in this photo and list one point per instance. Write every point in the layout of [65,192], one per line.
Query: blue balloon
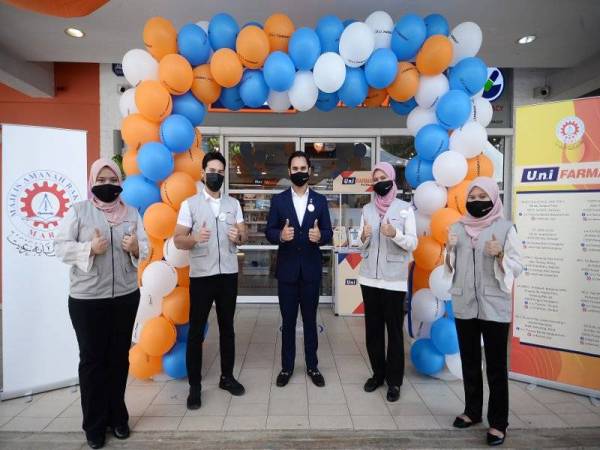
[403,108]
[348,22]
[436,24]
[381,68]
[453,109]
[448,309]
[177,133]
[279,71]
[408,36]
[469,75]
[139,192]
[190,107]
[193,45]
[329,29]
[230,98]
[304,48]
[355,88]
[184,330]
[256,24]
[253,89]
[418,171]
[430,141]
[223,31]
[174,362]
[327,101]
[155,161]
[444,337]
[425,357]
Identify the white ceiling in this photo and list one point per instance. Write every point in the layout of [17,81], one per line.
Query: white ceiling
[568,30]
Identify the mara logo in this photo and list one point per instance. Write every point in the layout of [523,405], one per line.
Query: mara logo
[494,86]
[351,282]
[539,174]
[349,180]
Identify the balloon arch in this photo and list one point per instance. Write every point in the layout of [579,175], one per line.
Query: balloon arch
[425,71]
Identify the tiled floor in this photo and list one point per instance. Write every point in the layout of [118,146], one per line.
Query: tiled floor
[425,403]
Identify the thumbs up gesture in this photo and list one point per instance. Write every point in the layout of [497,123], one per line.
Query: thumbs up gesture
[130,243]
[287,233]
[203,234]
[99,243]
[367,231]
[493,247]
[387,229]
[314,234]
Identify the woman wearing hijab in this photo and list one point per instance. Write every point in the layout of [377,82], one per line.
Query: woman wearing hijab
[97,238]
[388,235]
[484,259]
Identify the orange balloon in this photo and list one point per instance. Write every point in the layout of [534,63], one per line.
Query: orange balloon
[441,221]
[420,279]
[136,130]
[160,37]
[375,97]
[457,196]
[183,276]
[279,29]
[142,365]
[153,100]
[204,86]
[226,67]
[190,162]
[157,336]
[130,166]
[480,166]
[176,306]
[428,254]
[155,248]
[197,139]
[435,55]
[175,73]
[160,220]
[252,46]
[405,86]
[176,188]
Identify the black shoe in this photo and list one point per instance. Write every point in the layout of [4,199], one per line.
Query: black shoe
[283,378]
[459,422]
[493,440]
[393,393]
[231,385]
[194,400]
[372,384]
[316,377]
[121,431]
[97,442]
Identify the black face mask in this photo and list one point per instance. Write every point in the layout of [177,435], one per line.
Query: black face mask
[299,178]
[214,181]
[480,208]
[381,188]
[107,193]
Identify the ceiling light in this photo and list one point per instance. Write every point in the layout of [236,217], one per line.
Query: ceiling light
[74,32]
[527,39]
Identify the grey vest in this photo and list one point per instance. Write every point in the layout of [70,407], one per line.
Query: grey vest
[219,254]
[382,257]
[475,291]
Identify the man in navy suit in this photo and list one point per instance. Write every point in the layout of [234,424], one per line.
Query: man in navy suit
[299,223]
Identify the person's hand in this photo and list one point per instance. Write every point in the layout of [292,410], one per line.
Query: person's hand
[452,240]
[233,233]
[99,243]
[388,230]
[493,247]
[130,244]
[314,234]
[203,234]
[287,233]
[367,231]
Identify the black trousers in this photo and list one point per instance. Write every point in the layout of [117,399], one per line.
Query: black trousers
[303,295]
[103,328]
[222,290]
[384,309]
[495,341]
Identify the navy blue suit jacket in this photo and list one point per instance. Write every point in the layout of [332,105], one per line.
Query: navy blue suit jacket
[299,259]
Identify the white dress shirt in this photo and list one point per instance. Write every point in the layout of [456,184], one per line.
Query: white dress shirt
[185,217]
[300,204]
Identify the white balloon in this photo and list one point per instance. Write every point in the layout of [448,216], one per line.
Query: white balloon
[469,140]
[148,308]
[418,118]
[420,330]
[454,365]
[329,72]
[357,42]
[426,307]
[382,25]
[159,279]
[481,111]
[127,102]
[478,94]
[423,222]
[304,92]
[174,256]
[440,283]
[431,89]
[466,41]
[429,197]
[444,375]
[278,101]
[139,65]
[450,168]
